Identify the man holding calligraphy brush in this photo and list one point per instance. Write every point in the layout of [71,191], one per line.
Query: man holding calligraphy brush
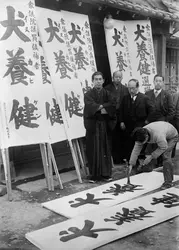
[165,136]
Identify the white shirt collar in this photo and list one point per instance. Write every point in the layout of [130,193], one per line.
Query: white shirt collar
[158,91]
[134,97]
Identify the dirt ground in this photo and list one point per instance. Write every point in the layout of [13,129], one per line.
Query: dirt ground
[25,214]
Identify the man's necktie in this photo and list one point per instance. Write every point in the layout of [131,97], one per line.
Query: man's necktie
[156,93]
[133,98]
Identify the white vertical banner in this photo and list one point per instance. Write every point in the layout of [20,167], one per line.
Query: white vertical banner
[80,45]
[73,105]
[52,108]
[118,52]
[141,50]
[64,38]
[130,49]
[22,106]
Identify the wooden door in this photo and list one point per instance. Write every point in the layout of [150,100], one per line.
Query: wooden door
[172,70]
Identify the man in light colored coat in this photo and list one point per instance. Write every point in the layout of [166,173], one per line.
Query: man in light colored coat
[165,136]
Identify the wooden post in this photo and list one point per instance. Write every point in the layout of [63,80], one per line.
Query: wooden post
[83,155]
[75,161]
[76,152]
[51,155]
[6,163]
[82,160]
[50,167]
[45,165]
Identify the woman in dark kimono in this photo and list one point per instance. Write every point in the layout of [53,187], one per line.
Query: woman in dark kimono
[99,121]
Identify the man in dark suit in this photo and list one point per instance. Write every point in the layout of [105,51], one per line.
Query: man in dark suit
[118,91]
[164,106]
[135,111]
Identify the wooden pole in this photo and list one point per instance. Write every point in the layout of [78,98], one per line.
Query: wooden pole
[7,173]
[83,154]
[75,159]
[82,160]
[50,167]
[45,165]
[50,151]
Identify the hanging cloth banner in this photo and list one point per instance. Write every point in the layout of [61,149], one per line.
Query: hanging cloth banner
[25,111]
[22,110]
[52,108]
[130,49]
[80,47]
[66,39]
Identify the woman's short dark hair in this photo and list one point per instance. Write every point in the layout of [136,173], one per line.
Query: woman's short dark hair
[96,74]
[139,134]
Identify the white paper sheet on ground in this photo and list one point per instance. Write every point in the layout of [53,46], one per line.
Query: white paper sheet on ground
[105,195]
[95,229]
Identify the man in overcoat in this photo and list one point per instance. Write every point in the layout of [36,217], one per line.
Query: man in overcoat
[135,111]
[118,91]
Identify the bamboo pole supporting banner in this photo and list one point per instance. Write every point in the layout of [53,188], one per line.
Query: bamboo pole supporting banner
[83,165]
[50,166]
[75,161]
[5,157]
[76,152]
[45,165]
[51,155]
[6,163]
[83,154]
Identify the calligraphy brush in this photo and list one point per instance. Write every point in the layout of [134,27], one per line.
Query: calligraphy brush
[129,169]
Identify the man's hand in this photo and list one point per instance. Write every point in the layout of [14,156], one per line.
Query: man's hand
[103,111]
[147,160]
[100,107]
[122,125]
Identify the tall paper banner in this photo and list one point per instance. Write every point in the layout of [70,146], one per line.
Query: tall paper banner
[130,49]
[141,52]
[22,111]
[28,107]
[80,47]
[53,112]
[118,51]
[66,40]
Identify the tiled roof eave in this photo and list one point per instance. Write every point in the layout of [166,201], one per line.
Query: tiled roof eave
[137,8]
[144,10]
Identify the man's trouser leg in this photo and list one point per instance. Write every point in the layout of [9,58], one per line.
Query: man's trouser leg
[167,161]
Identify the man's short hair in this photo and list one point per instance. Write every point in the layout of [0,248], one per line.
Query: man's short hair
[136,81]
[116,72]
[96,74]
[157,75]
[139,134]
